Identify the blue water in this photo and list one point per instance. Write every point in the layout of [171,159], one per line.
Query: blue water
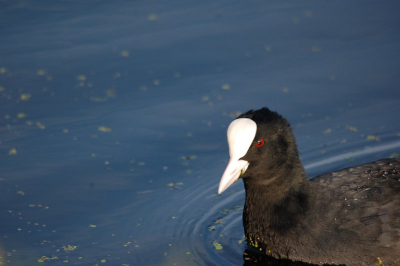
[113,117]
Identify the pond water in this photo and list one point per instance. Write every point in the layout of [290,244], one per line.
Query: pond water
[113,117]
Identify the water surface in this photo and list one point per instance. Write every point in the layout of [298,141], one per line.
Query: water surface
[113,117]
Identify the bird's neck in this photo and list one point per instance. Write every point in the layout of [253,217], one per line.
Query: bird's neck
[275,204]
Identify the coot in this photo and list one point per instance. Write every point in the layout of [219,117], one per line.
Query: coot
[347,217]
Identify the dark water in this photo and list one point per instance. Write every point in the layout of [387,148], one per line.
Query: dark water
[113,117]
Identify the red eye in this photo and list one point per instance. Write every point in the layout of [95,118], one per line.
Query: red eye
[260,143]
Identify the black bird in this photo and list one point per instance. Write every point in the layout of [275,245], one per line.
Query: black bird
[349,217]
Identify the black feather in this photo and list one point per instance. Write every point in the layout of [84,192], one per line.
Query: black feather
[347,217]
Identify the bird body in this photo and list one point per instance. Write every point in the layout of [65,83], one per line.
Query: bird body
[349,217]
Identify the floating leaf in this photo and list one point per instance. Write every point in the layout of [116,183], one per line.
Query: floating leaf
[217,245]
[152,17]
[104,129]
[125,53]
[327,131]
[81,77]
[40,125]
[40,72]
[44,258]
[12,151]
[351,128]
[25,96]
[205,98]
[21,115]
[69,247]
[373,137]
[226,86]
[126,243]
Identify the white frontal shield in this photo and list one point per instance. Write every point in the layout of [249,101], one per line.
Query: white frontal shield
[241,133]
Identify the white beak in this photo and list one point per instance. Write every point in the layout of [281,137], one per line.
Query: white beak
[241,133]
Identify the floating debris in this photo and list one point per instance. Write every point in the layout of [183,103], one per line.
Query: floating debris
[20,192]
[25,96]
[308,13]
[205,98]
[21,115]
[125,53]
[327,131]
[152,17]
[92,225]
[296,20]
[40,72]
[226,86]
[44,258]
[237,208]
[69,248]
[40,125]
[81,77]
[235,114]
[188,158]
[126,243]
[104,129]
[373,137]
[351,128]
[12,151]
[217,245]
[3,70]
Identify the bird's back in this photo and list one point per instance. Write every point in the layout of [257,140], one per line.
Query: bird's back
[356,214]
